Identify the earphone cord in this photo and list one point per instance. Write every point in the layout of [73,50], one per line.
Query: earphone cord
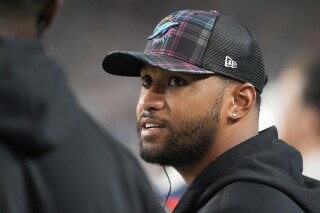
[165,202]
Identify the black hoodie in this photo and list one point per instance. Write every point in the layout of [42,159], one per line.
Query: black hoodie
[262,174]
[53,157]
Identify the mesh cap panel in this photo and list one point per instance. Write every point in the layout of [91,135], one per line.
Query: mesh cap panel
[230,38]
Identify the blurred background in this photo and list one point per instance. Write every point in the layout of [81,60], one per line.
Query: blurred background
[86,30]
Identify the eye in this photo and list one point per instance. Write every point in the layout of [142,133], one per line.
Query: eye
[176,82]
[146,81]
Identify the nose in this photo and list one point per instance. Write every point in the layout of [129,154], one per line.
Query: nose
[151,100]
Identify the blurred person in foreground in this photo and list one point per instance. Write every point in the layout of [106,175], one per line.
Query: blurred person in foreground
[300,94]
[53,157]
[202,75]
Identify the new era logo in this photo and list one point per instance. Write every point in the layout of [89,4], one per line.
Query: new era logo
[228,62]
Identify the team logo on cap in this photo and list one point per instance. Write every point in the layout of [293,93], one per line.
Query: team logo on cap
[164,30]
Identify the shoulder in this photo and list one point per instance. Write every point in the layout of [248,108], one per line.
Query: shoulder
[253,197]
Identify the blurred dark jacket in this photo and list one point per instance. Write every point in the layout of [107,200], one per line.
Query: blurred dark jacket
[53,157]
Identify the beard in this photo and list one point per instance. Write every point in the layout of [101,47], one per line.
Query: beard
[186,144]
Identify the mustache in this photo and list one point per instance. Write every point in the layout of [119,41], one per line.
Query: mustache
[146,114]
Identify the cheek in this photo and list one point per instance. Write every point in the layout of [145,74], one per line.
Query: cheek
[189,106]
[139,108]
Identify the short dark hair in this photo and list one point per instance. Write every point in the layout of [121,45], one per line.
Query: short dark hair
[28,7]
[311,90]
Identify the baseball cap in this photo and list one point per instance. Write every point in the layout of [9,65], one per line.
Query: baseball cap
[197,42]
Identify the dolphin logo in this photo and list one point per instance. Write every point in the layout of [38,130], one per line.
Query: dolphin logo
[163,29]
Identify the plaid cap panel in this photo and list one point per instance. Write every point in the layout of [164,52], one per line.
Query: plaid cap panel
[188,40]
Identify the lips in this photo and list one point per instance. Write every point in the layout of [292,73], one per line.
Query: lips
[150,127]
[147,123]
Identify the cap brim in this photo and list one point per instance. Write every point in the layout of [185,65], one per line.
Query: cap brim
[126,63]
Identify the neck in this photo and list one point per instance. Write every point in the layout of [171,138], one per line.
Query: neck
[14,24]
[190,172]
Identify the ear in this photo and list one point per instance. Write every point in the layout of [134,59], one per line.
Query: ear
[244,96]
[46,16]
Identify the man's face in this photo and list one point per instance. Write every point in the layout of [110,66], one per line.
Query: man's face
[178,116]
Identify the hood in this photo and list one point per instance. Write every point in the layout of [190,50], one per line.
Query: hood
[262,159]
[37,110]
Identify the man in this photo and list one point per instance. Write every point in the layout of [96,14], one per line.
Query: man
[53,157]
[301,76]
[202,75]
